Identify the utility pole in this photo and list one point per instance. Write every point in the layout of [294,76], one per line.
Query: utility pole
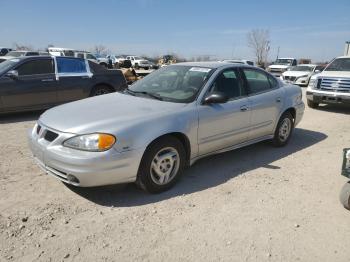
[278,52]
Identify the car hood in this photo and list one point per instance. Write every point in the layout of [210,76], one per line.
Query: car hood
[279,66]
[105,113]
[334,74]
[296,73]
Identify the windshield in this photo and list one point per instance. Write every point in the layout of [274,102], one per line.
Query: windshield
[302,68]
[15,54]
[339,64]
[283,62]
[6,65]
[175,83]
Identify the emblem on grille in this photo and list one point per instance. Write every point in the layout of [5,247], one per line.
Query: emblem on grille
[335,85]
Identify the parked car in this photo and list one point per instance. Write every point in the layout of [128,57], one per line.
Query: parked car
[59,51]
[345,192]
[301,74]
[116,59]
[4,50]
[239,61]
[281,65]
[14,54]
[332,86]
[139,62]
[33,83]
[86,55]
[164,122]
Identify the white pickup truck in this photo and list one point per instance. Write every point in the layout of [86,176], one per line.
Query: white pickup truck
[281,65]
[139,62]
[332,86]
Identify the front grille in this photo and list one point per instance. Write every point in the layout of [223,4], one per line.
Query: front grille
[290,78]
[334,84]
[50,136]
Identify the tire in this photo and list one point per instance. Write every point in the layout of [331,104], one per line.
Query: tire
[284,130]
[136,66]
[312,104]
[104,64]
[344,196]
[100,90]
[162,165]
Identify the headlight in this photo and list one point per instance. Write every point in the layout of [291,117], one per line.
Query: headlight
[312,82]
[91,142]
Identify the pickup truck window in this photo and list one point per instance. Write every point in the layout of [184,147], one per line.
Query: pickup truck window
[36,67]
[339,64]
[70,65]
[89,56]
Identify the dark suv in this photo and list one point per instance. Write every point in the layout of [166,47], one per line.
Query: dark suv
[39,82]
[4,50]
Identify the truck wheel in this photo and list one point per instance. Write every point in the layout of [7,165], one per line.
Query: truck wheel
[312,104]
[345,195]
[100,90]
[104,64]
[162,164]
[136,66]
[284,130]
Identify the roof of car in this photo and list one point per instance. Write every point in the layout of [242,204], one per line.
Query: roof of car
[344,56]
[310,65]
[209,64]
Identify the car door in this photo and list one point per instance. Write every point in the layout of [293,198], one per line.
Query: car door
[226,124]
[74,79]
[266,101]
[34,87]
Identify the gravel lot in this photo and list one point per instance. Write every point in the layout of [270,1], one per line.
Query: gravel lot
[258,203]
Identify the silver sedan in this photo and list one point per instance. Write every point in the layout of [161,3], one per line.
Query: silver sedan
[151,131]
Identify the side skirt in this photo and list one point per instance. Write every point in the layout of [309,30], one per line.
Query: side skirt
[226,149]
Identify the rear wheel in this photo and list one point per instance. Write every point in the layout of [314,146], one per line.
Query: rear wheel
[284,130]
[161,165]
[345,196]
[312,104]
[100,90]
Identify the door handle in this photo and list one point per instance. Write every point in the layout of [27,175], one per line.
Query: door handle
[244,108]
[85,77]
[47,80]
[278,99]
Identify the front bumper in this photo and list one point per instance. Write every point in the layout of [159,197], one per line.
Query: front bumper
[299,108]
[81,168]
[326,97]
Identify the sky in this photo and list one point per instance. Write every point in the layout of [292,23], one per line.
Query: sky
[301,29]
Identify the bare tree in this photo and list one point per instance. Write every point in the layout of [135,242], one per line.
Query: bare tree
[259,41]
[99,50]
[22,47]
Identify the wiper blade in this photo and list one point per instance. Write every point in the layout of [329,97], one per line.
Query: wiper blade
[152,95]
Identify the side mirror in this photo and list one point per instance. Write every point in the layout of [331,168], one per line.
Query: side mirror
[12,74]
[215,98]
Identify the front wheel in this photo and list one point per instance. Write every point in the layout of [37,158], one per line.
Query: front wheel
[284,130]
[161,165]
[312,104]
[345,196]
[100,90]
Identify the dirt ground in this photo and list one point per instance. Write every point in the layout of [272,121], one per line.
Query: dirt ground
[257,203]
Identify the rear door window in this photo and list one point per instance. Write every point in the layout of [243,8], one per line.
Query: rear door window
[70,66]
[258,81]
[36,67]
